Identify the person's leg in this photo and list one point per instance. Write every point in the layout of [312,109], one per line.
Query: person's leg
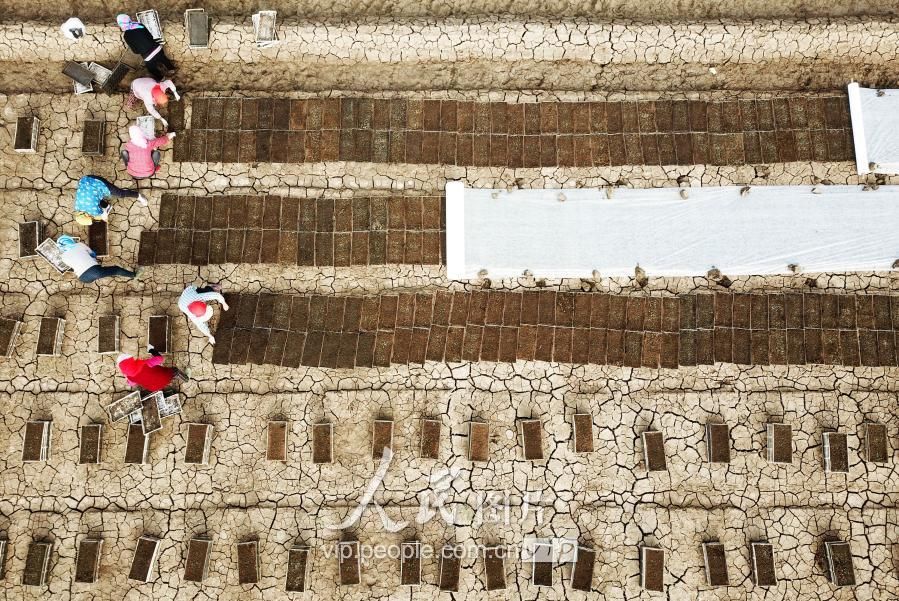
[117,192]
[165,61]
[181,375]
[155,68]
[91,275]
[98,272]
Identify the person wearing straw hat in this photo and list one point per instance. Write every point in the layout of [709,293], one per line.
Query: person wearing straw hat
[91,202]
[192,303]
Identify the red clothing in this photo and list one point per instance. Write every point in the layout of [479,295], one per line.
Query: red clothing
[147,373]
[140,159]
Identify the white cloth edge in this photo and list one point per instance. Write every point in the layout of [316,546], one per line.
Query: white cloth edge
[858,129]
[455,230]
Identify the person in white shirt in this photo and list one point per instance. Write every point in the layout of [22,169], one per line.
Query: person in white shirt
[83,262]
[153,94]
[193,304]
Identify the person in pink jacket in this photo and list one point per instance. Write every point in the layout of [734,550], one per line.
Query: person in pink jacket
[141,155]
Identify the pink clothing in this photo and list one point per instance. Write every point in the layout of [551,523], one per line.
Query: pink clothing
[140,156]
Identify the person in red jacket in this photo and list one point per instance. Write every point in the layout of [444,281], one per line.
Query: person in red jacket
[149,374]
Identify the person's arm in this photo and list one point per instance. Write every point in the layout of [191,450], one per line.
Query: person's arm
[201,325]
[151,108]
[154,361]
[160,141]
[208,296]
[170,85]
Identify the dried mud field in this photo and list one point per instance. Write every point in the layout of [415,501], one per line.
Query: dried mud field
[295,449]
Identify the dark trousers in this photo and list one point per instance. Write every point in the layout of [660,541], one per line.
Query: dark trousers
[98,272]
[115,191]
[155,156]
[159,65]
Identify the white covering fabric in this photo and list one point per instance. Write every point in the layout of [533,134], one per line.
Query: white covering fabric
[838,229]
[875,129]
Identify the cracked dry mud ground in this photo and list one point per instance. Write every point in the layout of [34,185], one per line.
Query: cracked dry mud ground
[606,499]
[489,52]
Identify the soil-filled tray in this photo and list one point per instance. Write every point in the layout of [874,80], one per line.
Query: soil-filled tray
[9,332]
[149,413]
[836,452]
[582,572]
[652,569]
[410,564]
[877,446]
[298,562]
[36,445]
[763,573]
[348,562]
[90,436]
[718,442]
[93,138]
[196,21]
[144,559]
[158,333]
[136,445]
[583,433]
[87,561]
[382,437]
[98,239]
[531,433]
[108,334]
[26,134]
[478,441]
[780,443]
[197,562]
[199,441]
[322,443]
[430,439]
[839,561]
[29,238]
[276,449]
[36,563]
[715,564]
[542,566]
[450,566]
[49,337]
[248,562]
[122,407]
[654,451]
[495,568]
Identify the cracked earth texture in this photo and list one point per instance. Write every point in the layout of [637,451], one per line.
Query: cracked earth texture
[617,9]
[606,499]
[488,53]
